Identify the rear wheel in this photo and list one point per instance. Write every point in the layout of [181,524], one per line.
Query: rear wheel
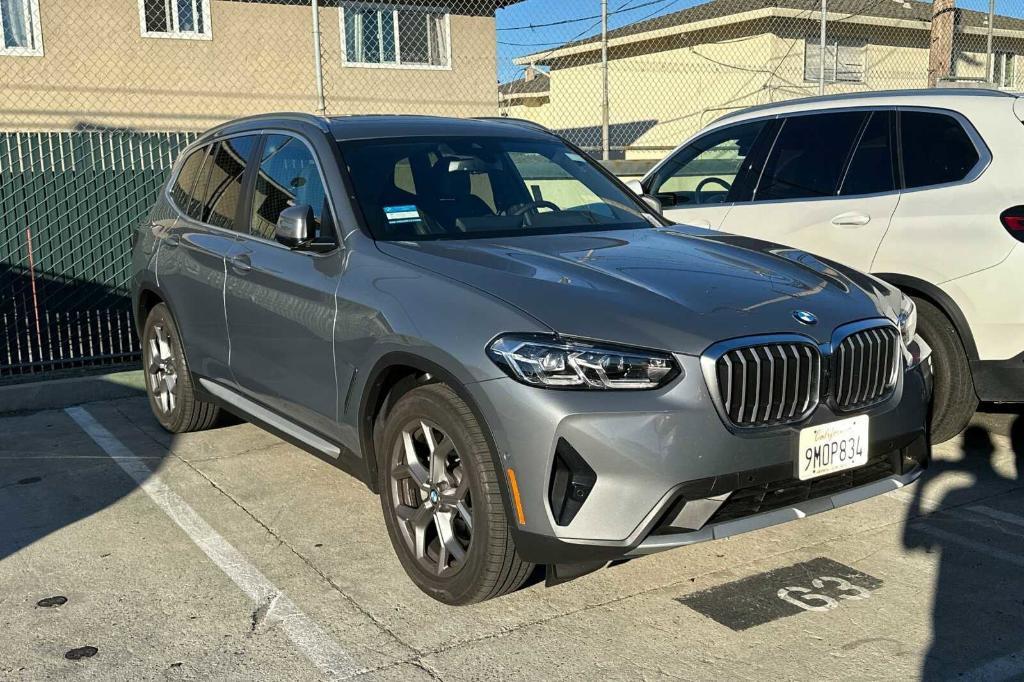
[442,502]
[954,401]
[168,380]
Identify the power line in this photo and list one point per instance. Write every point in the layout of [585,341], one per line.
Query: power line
[622,9]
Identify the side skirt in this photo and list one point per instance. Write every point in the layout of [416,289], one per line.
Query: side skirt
[284,428]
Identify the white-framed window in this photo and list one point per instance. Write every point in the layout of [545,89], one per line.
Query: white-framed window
[187,19]
[395,36]
[19,28]
[1004,72]
[844,60]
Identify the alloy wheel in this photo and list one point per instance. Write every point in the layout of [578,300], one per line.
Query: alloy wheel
[161,369]
[430,493]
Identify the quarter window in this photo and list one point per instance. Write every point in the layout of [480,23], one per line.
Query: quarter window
[809,156]
[19,21]
[936,149]
[175,18]
[388,36]
[706,171]
[844,61]
[190,184]
[288,176]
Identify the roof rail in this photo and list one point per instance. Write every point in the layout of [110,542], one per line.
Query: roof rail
[514,121]
[878,94]
[319,121]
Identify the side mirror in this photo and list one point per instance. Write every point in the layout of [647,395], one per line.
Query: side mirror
[293,226]
[638,189]
[653,202]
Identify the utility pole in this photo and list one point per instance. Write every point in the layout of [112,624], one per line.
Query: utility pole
[821,40]
[605,142]
[940,55]
[990,77]
[318,66]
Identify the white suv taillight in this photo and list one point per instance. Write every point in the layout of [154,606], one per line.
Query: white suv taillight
[1013,221]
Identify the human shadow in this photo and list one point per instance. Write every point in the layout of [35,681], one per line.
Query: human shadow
[976,527]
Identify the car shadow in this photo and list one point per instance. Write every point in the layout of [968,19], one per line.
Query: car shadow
[969,512]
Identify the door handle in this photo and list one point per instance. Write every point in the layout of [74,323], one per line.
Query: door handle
[241,263]
[851,219]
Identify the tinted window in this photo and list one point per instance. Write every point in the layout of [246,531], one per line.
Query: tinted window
[288,176]
[870,168]
[459,187]
[705,171]
[936,149]
[224,180]
[183,192]
[809,156]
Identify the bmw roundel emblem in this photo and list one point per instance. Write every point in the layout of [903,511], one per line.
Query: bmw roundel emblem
[804,317]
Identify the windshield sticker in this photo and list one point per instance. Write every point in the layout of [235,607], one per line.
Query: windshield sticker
[572,156]
[401,214]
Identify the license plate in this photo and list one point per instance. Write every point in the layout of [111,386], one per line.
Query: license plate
[836,446]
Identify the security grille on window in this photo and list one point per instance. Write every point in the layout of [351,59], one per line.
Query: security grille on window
[19,21]
[844,61]
[175,18]
[1004,74]
[412,37]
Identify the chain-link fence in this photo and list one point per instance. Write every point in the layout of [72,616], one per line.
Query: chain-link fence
[97,97]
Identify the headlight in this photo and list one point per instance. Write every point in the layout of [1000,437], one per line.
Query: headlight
[907,319]
[553,362]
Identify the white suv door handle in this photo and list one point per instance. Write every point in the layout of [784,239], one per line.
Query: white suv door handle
[852,219]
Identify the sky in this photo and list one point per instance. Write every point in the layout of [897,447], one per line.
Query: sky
[576,19]
[514,41]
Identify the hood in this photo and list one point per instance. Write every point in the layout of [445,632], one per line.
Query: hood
[676,288]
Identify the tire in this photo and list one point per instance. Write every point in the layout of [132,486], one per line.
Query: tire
[954,399]
[169,383]
[479,560]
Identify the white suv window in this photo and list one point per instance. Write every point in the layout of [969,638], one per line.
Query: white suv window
[936,149]
[705,171]
[809,156]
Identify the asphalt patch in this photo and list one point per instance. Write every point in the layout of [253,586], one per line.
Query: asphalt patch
[50,602]
[81,652]
[816,585]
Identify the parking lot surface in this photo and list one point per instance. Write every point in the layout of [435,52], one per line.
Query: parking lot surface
[231,554]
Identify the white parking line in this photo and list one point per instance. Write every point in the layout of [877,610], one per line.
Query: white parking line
[981,547]
[1008,667]
[998,515]
[310,638]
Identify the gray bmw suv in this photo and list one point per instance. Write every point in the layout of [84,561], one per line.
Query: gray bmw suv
[524,360]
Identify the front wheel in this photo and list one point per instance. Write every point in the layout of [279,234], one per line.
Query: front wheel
[954,400]
[442,501]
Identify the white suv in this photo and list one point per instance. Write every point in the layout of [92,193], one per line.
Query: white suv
[924,189]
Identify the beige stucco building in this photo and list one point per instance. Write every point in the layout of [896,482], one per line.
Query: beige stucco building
[670,76]
[180,65]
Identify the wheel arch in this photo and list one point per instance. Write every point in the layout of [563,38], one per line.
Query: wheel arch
[394,374]
[941,300]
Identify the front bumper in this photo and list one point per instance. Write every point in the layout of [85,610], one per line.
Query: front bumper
[669,472]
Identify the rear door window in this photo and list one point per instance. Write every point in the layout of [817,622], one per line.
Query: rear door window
[809,156]
[871,168]
[190,182]
[706,171]
[936,149]
[224,183]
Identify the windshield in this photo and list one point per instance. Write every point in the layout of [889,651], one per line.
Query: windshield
[464,187]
